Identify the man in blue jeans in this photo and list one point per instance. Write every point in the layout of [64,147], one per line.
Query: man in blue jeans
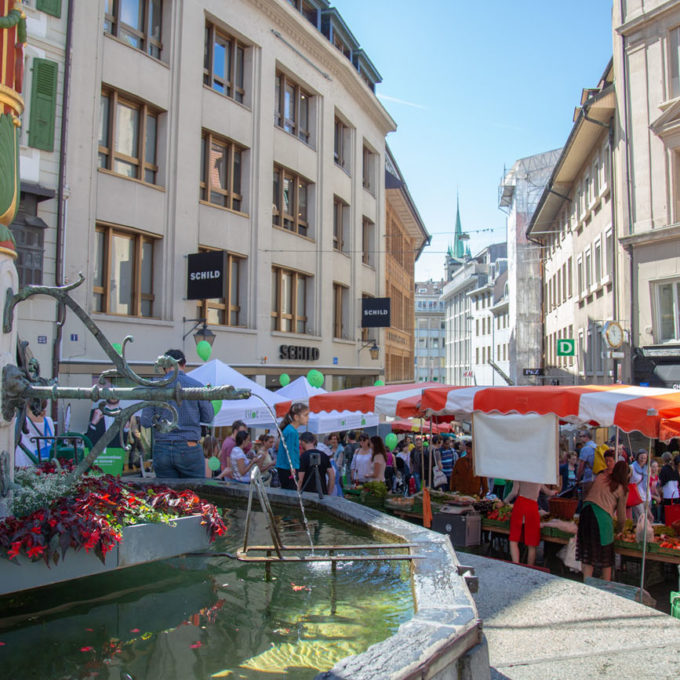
[177,453]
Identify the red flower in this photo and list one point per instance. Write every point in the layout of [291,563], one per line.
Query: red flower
[36,530]
[87,649]
[14,550]
[36,550]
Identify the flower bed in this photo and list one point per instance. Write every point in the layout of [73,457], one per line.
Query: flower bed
[91,515]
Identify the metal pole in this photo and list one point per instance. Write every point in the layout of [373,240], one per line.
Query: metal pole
[429,455]
[617,443]
[646,509]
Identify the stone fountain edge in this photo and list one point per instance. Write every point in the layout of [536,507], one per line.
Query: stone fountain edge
[444,639]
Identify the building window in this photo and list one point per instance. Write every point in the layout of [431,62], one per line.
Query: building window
[221,171]
[135,22]
[128,137]
[289,301]
[340,310]
[225,311]
[307,10]
[587,268]
[124,271]
[291,195]
[609,254]
[367,242]
[340,224]
[224,63]
[368,169]
[667,299]
[292,107]
[570,278]
[342,144]
[579,275]
[597,260]
[29,233]
[43,104]
[674,42]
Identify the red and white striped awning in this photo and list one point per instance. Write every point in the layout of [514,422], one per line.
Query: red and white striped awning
[631,408]
[402,401]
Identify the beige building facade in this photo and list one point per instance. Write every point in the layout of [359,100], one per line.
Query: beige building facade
[250,128]
[405,238]
[574,223]
[41,147]
[647,63]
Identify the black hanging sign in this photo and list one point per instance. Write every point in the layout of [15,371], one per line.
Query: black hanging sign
[375,312]
[206,273]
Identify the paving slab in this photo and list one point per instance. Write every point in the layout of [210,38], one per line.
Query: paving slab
[542,626]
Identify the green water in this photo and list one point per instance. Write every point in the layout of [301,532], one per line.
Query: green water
[208,617]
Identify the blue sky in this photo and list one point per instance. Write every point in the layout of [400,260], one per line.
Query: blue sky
[473,87]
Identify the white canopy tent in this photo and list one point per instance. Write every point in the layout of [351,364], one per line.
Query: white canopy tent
[253,412]
[327,421]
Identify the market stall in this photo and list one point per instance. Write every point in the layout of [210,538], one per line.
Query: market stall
[654,412]
[419,425]
[333,421]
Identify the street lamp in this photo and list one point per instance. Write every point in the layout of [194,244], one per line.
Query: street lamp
[203,333]
[373,348]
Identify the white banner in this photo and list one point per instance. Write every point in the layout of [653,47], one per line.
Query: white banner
[518,447]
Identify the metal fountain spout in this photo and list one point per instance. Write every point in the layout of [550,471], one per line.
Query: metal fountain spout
[23,387]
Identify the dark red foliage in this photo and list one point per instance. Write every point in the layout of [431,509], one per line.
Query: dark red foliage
[92,516]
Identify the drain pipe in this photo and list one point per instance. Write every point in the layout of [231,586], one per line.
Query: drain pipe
[61,208]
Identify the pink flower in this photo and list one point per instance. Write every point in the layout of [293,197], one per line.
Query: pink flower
[87,649]
[196,645]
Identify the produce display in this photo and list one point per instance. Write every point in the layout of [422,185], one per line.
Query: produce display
[500,512]
[400,502]
[451,497]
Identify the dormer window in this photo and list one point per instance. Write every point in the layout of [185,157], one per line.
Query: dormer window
[307,10]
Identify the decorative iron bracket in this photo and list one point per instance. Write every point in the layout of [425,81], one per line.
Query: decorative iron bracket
[24,385]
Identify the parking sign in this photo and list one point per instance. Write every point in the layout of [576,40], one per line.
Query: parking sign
[566,347]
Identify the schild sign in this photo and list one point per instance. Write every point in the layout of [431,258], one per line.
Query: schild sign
[206,274]
[375,312]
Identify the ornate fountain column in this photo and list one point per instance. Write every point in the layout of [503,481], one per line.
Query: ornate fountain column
[12,40]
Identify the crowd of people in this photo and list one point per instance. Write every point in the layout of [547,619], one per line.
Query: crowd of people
[343,459]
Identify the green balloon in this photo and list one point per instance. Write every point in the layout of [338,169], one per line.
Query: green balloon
[217,405]
[214,463]
[379,383]
[284,379]
[118,347]
[315,378]
[391,441]
[204,350]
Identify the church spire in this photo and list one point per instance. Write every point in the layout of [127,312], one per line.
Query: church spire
[458,245]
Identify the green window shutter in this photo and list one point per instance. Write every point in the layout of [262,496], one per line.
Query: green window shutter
[43,104]
[52,7]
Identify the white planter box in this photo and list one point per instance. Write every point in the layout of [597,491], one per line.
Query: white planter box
[141,543]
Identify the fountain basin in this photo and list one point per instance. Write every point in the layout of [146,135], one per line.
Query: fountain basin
[443,640]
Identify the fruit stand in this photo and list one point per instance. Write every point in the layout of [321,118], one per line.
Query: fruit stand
[664,548]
